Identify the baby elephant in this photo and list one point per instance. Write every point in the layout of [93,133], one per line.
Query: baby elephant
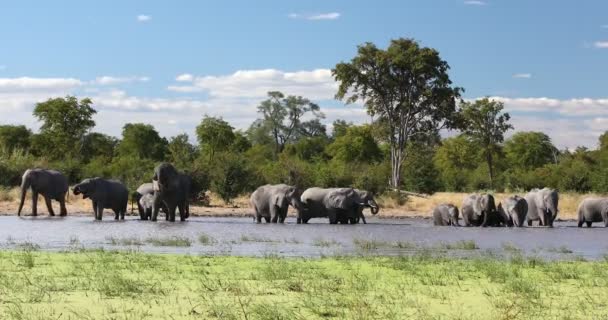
[593,210]
[105,194]
[514,209]
[445,214]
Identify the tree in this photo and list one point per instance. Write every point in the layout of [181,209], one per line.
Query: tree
[455,159]
[65,121]
[603,141]
[530,150]
[340,127]
[240,143]
[181,152]
[485,124]
[14,137]
[282,119]
[356,145]
[98,145]
[215,134]
[142,141]
[406,86]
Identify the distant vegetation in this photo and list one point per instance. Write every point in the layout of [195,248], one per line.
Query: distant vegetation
[288,143]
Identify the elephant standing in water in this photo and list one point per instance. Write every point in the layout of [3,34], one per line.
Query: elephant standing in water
[104,194]
[51,184]
[445,214]
[171,189]
[338,204]
[542,206]
[145,206]
[593,210]
[515,208]
[480,210]
[271,202]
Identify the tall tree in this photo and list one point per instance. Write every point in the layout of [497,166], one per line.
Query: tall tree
[282,118]
[530,150]
[98,144]
[142,141]
[14,137]
[65,122]
[180,151]
[406,86]
[485,124]
[215,134]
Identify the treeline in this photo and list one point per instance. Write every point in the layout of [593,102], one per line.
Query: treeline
[405,87]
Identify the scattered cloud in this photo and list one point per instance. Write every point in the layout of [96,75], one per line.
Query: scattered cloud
[143,18]
[109,80]
[316,84]
[37,84]
[522,76]
[186,77]
[475,3]
[317,16]
[601,44]
[568,107]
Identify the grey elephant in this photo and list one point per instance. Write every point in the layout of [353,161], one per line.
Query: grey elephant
[338,204]
[271,202]
[445,214]
[171,189]
[104,194]
[369,202]
[480,210]
[515,209]
[51,184]
[542,206]
[144,190]
[593,210]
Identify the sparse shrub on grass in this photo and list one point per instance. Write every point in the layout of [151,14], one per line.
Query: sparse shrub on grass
[319,242]
[460,245]
[170,242]
[205,239]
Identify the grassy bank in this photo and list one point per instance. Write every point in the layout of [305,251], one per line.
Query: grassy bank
[129,285]
[415,206]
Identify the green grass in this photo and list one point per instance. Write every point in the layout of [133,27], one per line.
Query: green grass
[324,243]
[124,241]
[170,242]
[98,284]
[254,238]
[206,240]
[460,245]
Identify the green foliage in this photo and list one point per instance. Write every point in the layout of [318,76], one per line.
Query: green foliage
[528,150]
[142,141]
[65,121]
[98,145]
[456,159]
[406,86]
[180,152]
[357,144]
[308,148]
[485,124]
[14,137]
[340,127]
[419,171]
[215,134]
[231,176]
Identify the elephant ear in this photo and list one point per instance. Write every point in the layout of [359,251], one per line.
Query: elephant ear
[278,199]
[339,199]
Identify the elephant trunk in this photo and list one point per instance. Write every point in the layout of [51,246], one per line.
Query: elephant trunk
[374,207]
[24,186]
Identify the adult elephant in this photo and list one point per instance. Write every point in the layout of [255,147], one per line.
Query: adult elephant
[104,194]
[445,214]
[479,210]
[593,210]
[145,207]
[368,201]
[51,184]
[271,202]
[542,206]
[171,189]
[338,204]
[515,208]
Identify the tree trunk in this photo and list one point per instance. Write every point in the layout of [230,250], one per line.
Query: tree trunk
[490,169]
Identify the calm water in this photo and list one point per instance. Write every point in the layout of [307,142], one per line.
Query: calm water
[240,236]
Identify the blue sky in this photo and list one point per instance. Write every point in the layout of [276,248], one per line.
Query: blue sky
[547,60]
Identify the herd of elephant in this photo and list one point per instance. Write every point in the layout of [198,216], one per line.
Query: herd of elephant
[169,192]
[539,205]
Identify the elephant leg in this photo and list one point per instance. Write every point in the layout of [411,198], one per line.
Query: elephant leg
[299,220]
[99,213]
[49,206]
[283,215]
[529,223]
[116,213]
[63,211]
[142,211]
[258,218]
[362,218]
[580,223]
[182,213]
[156,207]
[274,214]
[333,216]
[543,217]
[267,219]
[589,224]
[171,213]
[305,220]
[605,217]
[34,203]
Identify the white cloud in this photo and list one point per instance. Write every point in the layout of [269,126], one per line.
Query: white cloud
[601,44]
[316,16]
[522,75]
[186,77]
[569,107]
[109,80]
[475,3]
[315,84]
[143,18]
[37,84]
